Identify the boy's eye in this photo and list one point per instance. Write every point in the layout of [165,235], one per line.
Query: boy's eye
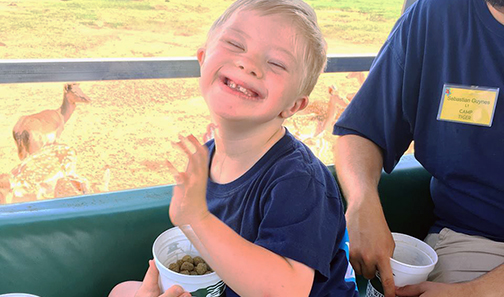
[234,44]
[277,64]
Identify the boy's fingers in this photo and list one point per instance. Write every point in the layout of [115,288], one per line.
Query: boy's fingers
[175,291]
[151,277]
[201,151]
[197,145]
[149,285]
[182,145]
[193,140]
[172,168]
[174,172]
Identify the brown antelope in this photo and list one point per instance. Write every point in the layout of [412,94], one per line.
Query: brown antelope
[360,76]
[34,131]
[48,173]
[5,189]
[360,80]
[73,185]
[311,124]
[36,176]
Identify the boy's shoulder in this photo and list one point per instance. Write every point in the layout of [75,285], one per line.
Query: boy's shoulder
[291,158]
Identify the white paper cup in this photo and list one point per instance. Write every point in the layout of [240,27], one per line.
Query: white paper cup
[411,263]
[171,246]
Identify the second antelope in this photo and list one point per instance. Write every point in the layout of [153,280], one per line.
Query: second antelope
[34,131]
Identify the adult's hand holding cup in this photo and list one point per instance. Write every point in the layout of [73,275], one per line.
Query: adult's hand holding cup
[411,264]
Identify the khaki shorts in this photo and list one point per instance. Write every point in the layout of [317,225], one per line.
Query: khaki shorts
[463,257]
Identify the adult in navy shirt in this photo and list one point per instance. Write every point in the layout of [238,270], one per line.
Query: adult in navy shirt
[438,81]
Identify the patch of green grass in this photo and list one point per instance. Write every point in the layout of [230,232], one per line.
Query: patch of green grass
[357,21]
[102,22]
[388,9]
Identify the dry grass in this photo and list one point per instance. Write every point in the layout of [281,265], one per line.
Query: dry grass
[130,124]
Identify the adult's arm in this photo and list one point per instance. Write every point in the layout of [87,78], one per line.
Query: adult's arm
[488,285]
[358,162]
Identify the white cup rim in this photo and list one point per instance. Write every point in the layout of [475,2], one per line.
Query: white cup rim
[166,269]
[427,249]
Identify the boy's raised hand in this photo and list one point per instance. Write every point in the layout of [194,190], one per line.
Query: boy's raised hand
[188,203]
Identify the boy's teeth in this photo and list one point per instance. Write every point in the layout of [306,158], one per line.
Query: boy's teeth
[234,86]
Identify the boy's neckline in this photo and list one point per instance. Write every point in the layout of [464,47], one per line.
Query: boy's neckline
[225,168]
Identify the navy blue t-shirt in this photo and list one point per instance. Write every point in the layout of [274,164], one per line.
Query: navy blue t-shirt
[439,42]
[290,204]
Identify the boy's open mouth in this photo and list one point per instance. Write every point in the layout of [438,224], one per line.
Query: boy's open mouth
[232,85]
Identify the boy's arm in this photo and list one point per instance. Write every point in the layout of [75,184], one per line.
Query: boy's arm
[358,163]
[249,269]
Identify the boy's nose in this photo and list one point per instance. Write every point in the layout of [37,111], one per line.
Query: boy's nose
[249,67]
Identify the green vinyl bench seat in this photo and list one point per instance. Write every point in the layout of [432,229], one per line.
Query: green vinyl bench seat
[83,246]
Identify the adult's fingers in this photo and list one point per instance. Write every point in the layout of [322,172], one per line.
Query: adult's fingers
[368,268]
[356,265]
[411,290]
[386,277]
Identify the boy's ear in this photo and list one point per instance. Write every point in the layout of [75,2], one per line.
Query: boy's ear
[298,105]
[201,55]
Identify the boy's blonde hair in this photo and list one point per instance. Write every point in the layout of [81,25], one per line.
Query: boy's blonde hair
[315,51]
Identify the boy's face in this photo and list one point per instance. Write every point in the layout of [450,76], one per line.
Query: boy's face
[251,69]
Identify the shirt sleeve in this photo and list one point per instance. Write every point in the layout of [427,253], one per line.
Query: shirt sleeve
[382,108]
[301,222]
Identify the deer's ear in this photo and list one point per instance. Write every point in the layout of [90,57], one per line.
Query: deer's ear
[67,87]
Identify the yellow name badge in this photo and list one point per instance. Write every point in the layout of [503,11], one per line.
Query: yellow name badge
[468,104]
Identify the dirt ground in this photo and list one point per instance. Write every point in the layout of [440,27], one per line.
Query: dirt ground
[129,125]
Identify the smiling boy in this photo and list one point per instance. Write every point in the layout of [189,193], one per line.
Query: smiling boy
[266,211]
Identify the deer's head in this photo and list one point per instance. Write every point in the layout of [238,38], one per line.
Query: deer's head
[74,94]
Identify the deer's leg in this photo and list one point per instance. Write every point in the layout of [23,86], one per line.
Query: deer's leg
[5,189]
[22,139]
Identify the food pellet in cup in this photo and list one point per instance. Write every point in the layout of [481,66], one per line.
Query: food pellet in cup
[190,266]
[201,268]
[187,266]
[174,267]
[198,260]
[188,258]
